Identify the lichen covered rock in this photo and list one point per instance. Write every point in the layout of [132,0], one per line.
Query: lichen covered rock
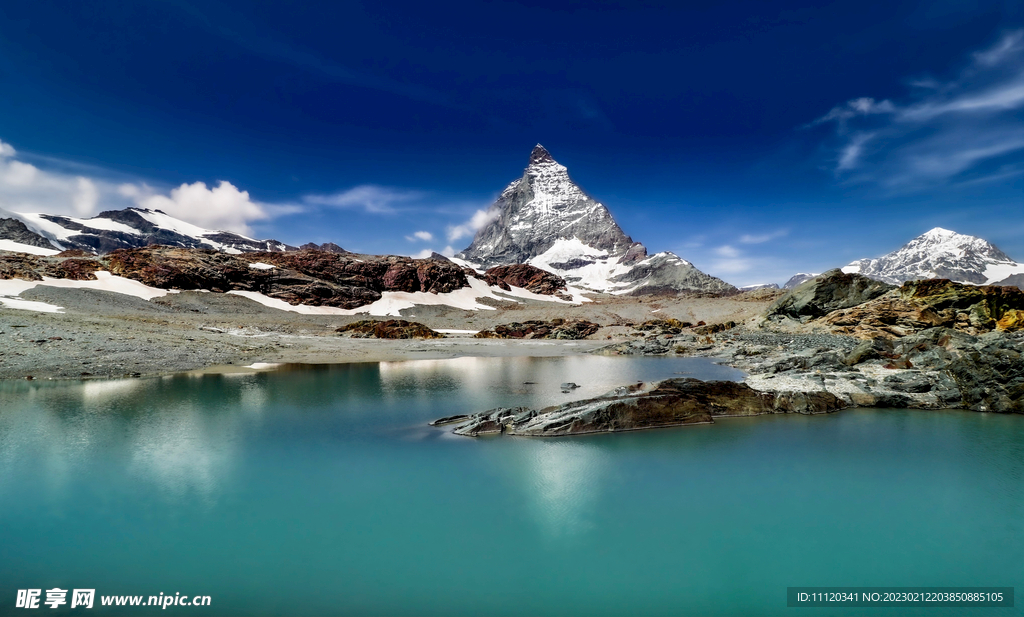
[535,329]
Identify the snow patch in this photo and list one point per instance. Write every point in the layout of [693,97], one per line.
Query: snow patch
[17,247]
[259,265]
[105,281]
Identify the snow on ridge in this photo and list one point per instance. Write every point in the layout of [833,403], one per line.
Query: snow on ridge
[940,253]
[392,303]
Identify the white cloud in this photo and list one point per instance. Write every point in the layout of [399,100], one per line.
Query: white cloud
[955,130]
[476,222]
[368,197]
[762,238]
[220,207]
[54,190]
[425,236]
[86,197]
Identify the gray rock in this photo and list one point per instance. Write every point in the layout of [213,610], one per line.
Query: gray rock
[828,292]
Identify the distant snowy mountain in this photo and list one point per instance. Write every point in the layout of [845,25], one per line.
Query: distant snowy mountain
[116,229]
[546,220]
[945,254]
[798,278]
[759,286]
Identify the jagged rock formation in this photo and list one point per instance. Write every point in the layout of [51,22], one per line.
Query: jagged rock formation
[546,220]
[940,254]
[673,402]
[389,329]
[121,229]
[534,329]
[327,247]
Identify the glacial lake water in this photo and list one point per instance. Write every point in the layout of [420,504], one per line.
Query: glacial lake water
[320,491]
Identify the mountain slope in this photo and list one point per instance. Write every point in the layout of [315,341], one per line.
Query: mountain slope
[546,220]
[119,229]
[944,254]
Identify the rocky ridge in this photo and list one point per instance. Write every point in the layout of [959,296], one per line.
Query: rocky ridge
[121,229]
[942,254]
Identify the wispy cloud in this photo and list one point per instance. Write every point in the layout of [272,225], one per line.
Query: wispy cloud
[762,238]
[370,198]
[952,130]
[729,260]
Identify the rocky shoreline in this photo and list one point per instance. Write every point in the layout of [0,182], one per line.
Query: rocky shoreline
[925,345]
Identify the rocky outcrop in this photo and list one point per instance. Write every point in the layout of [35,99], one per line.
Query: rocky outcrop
[674,402]
[16,231]
[21,266]
[301,277]
[825,293]
[390,329]
[75,269]
[327,247]
[535,329]
[920,305]
[526,276]
[659,327]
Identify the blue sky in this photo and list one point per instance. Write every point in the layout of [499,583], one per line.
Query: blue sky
[756,139]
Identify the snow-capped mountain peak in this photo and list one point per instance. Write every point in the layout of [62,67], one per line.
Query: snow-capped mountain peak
[128,228]
[941,253]
[545,219]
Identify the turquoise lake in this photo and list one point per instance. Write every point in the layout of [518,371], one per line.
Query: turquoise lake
[320,490]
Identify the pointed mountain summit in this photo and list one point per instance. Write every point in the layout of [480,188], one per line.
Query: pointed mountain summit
[546,220]
[940,253]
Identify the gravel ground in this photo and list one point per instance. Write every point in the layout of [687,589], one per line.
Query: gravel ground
[103,334]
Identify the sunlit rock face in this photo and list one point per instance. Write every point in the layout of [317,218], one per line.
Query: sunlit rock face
[546,220]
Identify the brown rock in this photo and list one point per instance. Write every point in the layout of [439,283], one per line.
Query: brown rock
[390,329]
[535,329]
[527,277]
